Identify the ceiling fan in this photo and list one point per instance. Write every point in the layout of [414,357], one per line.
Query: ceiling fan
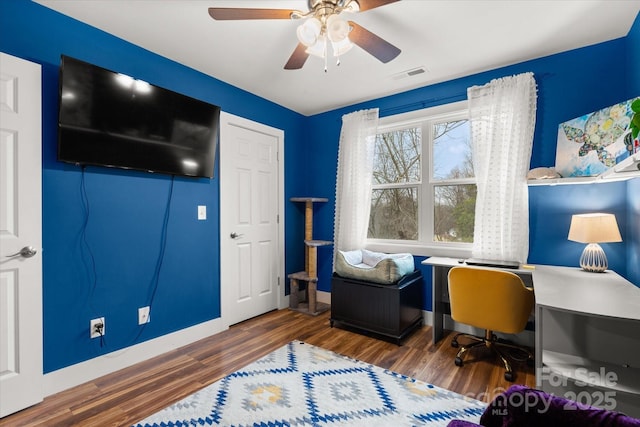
[322,27]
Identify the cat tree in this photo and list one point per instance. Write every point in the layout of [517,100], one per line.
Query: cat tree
[310,273]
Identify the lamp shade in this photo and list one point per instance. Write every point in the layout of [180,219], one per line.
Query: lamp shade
[594,228]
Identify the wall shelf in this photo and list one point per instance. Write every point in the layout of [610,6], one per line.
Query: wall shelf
[627,169]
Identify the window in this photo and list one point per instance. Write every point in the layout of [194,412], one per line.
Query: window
[424,193]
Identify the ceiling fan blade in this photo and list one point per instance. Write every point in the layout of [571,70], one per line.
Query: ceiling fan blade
[298,58]
[376,46]
[230,13]
[372,4]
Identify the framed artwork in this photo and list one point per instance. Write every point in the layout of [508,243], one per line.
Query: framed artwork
[591,144]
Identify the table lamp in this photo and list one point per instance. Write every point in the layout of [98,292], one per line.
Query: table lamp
[594,228]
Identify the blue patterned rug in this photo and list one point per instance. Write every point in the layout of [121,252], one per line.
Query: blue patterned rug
[303,385]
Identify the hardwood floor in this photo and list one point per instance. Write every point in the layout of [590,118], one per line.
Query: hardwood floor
[129,395]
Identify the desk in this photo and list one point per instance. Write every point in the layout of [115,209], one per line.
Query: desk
[440,288]
[587,334]
[588,337]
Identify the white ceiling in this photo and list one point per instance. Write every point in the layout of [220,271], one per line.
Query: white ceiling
[449,38]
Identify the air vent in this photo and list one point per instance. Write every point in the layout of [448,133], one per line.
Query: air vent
[409,73]
[416,72]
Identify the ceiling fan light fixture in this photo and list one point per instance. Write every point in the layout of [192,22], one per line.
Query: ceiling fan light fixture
[320,25]
[337,28]
[351,7]
[309,32]
[318,49]
[341,47]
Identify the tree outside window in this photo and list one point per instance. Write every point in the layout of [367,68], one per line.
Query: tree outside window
[423,183]
[454,200]
[396,181]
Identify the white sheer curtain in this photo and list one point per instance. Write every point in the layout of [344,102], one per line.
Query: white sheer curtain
[354,179]
[502,116]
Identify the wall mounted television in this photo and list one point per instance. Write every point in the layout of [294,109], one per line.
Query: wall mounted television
[111,119]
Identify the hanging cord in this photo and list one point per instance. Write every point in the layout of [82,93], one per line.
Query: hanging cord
[101,332]
[83,235]
[86,207]
[155,280]
[163,243]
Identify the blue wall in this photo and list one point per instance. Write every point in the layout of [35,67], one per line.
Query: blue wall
[567,88]
[127,208]
[633,190]
[633,232]
[633,52]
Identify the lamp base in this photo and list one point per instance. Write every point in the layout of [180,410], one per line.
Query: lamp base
[593,258]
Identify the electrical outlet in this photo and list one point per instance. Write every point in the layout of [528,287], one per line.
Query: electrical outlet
[96,327]
[143,315]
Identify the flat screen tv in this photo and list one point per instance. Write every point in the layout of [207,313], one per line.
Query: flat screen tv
[111,119]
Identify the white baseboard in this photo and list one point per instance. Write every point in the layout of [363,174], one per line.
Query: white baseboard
[427,317]
[324,297]
[65,378]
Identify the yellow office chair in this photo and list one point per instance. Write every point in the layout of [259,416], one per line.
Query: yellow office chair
[493,300]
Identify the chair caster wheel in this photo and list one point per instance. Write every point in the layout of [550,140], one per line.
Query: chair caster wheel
[509,376]
[454,344]
[458,361]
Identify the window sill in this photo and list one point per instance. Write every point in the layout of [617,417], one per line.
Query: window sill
[421,250]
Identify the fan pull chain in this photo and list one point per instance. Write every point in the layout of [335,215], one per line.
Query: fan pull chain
[325,54]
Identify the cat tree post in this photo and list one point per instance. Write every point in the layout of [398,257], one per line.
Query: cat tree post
[310,273]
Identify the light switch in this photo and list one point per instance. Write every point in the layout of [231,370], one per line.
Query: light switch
[202,212]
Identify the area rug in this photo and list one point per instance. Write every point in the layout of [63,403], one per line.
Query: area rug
[304,385]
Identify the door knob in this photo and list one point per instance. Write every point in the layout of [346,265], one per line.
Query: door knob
[235,235]
[26,252]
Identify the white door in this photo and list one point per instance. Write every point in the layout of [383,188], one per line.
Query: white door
[20,227]
[251,237]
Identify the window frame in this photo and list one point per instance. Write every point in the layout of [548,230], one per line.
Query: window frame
[424,118]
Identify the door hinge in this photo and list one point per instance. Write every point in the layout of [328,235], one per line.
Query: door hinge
[277,218]
[278,280]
